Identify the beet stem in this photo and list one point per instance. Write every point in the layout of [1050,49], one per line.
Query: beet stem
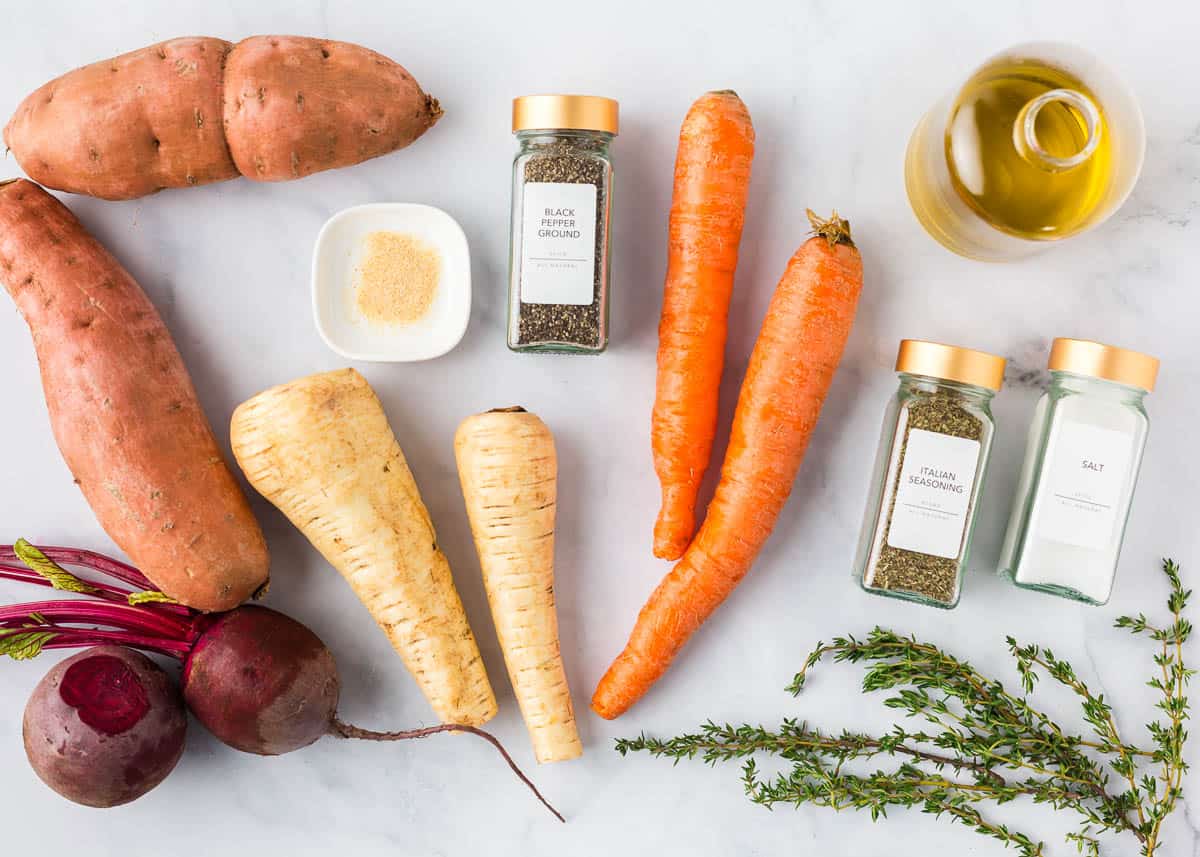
[89,559]
[100,613]
[104,590]
[346,730]
[79,638]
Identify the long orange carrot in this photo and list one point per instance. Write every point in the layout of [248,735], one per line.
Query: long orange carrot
[712,178]
[793,362]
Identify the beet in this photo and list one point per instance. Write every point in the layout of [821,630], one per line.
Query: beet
[258,680]
[261,682]
[104,726]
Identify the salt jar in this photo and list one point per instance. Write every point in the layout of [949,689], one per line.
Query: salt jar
[1081,465]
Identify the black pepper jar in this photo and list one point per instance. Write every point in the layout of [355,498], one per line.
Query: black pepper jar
[561,207]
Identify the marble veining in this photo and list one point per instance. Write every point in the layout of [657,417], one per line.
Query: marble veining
[834,91]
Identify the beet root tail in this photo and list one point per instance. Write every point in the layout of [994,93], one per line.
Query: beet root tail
[346,730]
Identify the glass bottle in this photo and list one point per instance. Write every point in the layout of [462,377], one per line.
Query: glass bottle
[1041,143]
[1081,466]
[937,437]
[561,208]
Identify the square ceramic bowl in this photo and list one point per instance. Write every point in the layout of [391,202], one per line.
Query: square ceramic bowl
[338,255]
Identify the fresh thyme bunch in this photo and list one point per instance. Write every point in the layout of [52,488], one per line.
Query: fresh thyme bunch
[985,743]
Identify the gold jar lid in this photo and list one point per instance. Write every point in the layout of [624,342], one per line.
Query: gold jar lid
[951,363]
[569,112]
[1097,360]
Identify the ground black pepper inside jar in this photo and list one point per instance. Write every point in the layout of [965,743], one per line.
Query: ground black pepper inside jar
[559,258]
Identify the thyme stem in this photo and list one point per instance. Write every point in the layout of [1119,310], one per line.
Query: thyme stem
[981,732]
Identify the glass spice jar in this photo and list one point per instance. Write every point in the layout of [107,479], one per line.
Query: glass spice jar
[561,206]
[1081,466]
[937,436]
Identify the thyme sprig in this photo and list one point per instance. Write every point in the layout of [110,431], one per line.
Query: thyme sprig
[982,743]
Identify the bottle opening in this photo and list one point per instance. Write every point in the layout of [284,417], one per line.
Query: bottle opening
[1058,130]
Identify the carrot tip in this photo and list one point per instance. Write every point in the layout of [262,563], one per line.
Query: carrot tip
[835,230]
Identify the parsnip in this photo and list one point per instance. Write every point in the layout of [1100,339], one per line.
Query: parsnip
[320,449]
[509,469]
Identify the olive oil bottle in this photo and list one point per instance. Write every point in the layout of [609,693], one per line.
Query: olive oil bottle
[1039,144]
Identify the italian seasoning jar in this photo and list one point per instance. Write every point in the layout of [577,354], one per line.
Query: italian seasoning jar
[937,436]
[1081,466]
[561,205]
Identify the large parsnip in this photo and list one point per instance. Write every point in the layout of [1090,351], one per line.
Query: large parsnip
[320,449]
[509,470]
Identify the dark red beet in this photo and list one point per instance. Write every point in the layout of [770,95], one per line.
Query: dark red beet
[261,682]
[104,726]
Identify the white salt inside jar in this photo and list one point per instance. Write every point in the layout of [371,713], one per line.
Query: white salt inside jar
[1081,466]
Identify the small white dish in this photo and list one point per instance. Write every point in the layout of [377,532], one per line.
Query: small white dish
[336,258]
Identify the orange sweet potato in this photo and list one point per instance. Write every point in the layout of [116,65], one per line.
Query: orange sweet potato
[196,110]
[128,126]
[295,106]
[124,411]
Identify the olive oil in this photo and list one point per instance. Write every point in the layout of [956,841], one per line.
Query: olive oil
[1026,152]
[1042,185]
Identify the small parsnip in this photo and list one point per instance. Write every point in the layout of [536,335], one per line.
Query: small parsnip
[509,470]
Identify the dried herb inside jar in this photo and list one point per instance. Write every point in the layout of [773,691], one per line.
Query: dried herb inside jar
[936,440]
[926,574]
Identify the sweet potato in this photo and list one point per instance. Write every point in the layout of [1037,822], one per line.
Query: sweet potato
[128,126]
[124,411]
[295,106]
[196,110]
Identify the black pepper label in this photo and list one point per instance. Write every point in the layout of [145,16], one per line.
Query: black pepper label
[558,247]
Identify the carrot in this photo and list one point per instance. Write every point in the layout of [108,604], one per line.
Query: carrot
[509,470]
[712,178]
[798,349]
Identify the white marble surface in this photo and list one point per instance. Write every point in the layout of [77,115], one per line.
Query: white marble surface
[834,90]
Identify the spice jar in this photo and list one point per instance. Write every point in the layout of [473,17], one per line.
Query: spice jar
[562,201]
[937,436]
[1081,465]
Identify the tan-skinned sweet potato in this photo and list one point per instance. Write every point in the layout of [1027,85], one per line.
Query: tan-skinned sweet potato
[129,126]
[195,110]
[124,411]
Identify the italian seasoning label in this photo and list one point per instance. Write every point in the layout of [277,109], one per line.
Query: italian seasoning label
[558,243]
[1087,467]
[933,494]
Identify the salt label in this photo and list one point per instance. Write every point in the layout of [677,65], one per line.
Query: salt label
[934,493]
[1080,501]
